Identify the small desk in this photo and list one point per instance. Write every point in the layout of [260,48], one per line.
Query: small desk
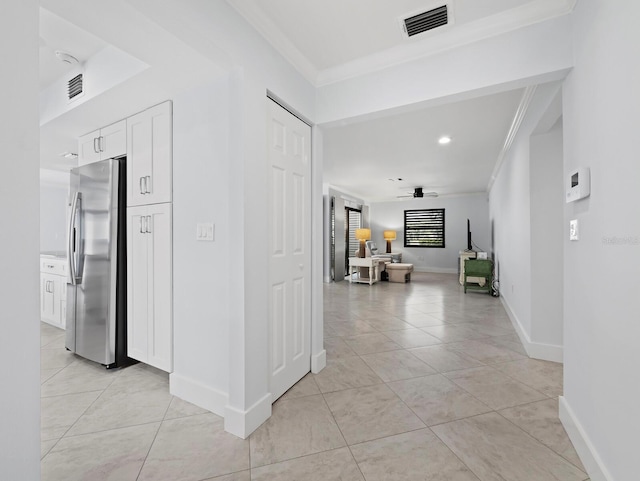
[355,263]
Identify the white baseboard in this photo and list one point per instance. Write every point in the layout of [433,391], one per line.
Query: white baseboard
[197,393]
[435,270]
[318,361]
[243,423]
[536,350]
[581,442]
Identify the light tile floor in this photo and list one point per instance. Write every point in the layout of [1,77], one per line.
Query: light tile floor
[422,382]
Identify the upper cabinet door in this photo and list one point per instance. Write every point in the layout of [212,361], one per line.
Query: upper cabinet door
[149,156]
[102,144]
[89,148]
[113,140]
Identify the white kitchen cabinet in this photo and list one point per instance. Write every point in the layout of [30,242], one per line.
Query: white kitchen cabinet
[104,143]
[149,156]
[149,285]
[53,291]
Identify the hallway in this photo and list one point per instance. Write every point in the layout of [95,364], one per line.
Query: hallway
[422,382]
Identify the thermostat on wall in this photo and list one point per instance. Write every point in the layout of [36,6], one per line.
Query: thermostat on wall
[578,184]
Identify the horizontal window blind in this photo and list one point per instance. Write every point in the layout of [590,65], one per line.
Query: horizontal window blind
[424,228]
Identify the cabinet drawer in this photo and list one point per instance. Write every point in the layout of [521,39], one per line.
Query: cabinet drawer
[54,266]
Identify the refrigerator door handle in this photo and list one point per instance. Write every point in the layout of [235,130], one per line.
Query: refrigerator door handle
[141,224]
[71,248]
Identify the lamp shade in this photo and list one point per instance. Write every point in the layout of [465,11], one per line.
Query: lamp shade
[389,235]
[363,234]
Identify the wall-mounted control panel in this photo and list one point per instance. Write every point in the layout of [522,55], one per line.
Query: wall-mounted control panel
[578,184]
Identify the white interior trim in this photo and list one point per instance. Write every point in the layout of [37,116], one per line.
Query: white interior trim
[436,270]
[243,423]
[198,394]
[581,442]
[318,361]
[535,350]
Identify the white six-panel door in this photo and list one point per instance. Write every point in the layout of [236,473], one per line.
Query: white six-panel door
[289,248]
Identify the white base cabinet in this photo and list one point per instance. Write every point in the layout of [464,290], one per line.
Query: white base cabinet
[149,285]
[53,291]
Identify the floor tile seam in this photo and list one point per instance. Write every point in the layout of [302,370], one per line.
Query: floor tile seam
[519,380]
[456,454]
[146,456]
[357,464]
[387,436]
[506,407]
[482,402]
[44,346]
[56,374]
[111,429]
[78,418]
[164,416]
[450,380]
[72,394]
[50,449]
[535,438]
[251,468]
[326,403]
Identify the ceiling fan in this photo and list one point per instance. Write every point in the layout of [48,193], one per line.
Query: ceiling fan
[418,194]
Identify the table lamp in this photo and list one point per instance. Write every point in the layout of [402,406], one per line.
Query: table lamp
[363,235]
[389,235]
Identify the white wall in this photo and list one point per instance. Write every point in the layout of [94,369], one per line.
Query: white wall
[602,328]
[547,233]
[201,269]
[525,201]
[390,216]
[504,62]
[19,243]
[210,27]
[54,188]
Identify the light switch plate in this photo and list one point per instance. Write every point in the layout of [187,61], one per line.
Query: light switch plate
[205,232]
[573,230]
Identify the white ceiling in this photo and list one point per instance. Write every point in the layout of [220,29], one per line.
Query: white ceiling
[331,40]
[361,158]
[59,34]
[326,41]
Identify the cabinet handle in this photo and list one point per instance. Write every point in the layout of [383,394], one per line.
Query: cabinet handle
[100,143]
[148,224]
[96,147]
[147,184]
[143,186]
[141,224]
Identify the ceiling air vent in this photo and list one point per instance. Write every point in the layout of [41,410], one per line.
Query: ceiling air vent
[426,21]
[74,87]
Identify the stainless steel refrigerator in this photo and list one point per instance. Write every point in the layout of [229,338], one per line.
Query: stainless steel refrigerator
[96,288]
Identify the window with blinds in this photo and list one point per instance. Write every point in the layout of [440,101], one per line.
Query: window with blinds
[352,221]
[424,228]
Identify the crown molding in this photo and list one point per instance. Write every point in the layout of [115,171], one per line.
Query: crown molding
[430,43]
[434,42]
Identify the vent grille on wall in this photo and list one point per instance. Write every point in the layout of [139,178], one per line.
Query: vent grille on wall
[426,21]
[74,87]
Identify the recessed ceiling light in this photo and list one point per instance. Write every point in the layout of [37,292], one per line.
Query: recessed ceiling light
[445,139]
